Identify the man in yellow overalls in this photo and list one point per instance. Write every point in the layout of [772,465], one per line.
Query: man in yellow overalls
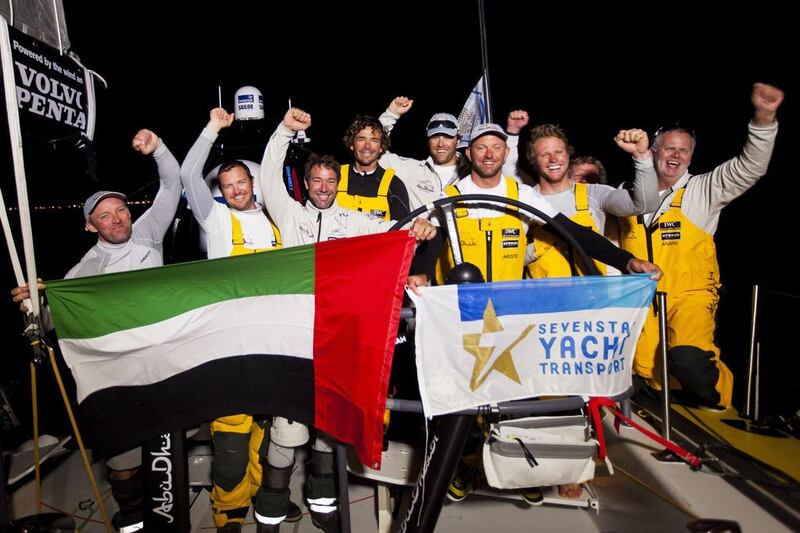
[493,238]
[365,186]
[241,226]
[589,205]
[679,236]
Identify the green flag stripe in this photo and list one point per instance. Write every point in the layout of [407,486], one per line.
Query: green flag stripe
[93,306]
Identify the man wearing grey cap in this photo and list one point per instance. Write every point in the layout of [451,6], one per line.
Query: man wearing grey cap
[426,179]
[124,245]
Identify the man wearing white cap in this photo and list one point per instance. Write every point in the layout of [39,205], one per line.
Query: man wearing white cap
[124,245]
[426,179]
[495,239]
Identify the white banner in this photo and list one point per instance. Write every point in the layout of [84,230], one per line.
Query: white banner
[485,343]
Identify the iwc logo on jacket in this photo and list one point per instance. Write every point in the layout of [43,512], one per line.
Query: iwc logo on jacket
[670,231]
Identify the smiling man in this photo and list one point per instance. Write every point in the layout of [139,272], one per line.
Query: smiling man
[109,217]
[366,186]
[426,179]
[679,235]
[589,205]
[239,226]
[241,468]
[321,218]
[494,239]
[124,245]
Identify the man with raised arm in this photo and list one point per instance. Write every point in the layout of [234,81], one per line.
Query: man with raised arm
[243,467]
[426,179]
[319,219]
[589,205]
[124,245]
[679,235]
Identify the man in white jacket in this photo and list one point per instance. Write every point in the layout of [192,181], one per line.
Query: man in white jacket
[319,219]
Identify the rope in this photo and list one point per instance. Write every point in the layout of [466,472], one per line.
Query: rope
[86,463]
[781,293]
[12,112]
[143,187]
[661,495]
[36,455]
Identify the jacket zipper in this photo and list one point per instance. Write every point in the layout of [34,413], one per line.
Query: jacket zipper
[489,255]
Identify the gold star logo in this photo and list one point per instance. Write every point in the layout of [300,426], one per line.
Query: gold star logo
[503,363]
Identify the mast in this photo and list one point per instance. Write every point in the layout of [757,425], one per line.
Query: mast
[485,61]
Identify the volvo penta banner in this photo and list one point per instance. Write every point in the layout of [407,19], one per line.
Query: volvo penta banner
[485,343]
[52,91]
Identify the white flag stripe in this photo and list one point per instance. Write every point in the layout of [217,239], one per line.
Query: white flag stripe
[274,324]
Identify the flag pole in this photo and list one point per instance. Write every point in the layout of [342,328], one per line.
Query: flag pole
[485,61]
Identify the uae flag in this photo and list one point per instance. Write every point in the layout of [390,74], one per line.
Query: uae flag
[307,333]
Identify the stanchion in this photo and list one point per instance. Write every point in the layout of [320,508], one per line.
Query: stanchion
[664,456]
[747,413]
[752,412]
[344,487]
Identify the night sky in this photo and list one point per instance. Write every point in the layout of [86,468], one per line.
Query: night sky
[635,69]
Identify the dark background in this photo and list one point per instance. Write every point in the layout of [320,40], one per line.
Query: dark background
[164,62]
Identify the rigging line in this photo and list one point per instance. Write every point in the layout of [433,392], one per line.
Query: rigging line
[670,501]
[788,481]
[143,187]
[485,60]
[730,448]
[12,248]
[73,515]
[15,137]
[781,293]
[729,474]
[727,446]
[58,28]
[648,416]
[707,428]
